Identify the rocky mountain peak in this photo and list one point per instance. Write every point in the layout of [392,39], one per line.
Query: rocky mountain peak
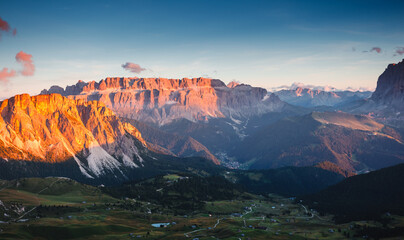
[233,84]
[390,86]
[52,128]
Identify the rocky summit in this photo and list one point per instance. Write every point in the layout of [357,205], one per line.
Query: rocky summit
[55,129]
[390,86]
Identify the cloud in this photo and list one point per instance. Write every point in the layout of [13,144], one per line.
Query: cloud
[399,51]
[28,67]
[5,27]
[133,67]
[5,75]
[26,60]
[376,49]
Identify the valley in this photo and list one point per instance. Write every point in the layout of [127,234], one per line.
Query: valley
[67,209]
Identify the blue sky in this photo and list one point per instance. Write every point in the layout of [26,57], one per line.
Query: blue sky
[262,43]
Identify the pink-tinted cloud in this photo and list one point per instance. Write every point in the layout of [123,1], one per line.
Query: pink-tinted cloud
[399,51]
[376,49]
[5,75]
[28,67]
[133,67]
[5,27]
[26,60]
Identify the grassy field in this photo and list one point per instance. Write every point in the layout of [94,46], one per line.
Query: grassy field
[62,209]
[172,177]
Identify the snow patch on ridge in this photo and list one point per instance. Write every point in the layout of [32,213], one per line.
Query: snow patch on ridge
[99,160]
[139,158]
[128,162]
[79,163]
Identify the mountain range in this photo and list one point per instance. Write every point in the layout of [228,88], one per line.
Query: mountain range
[160,100]
[310,98]
[127,128]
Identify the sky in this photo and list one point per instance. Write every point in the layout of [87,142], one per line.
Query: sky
[262,43]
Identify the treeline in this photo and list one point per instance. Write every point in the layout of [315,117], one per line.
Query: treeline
[183,195]
[287,181]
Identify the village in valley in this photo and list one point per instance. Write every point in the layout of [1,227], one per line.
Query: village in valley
[67,208]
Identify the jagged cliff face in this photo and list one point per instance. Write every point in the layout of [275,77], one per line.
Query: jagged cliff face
[160,100]
[311,98]
[54,129]
[386,104]
[390,86]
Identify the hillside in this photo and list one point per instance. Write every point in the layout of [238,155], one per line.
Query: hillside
[180,193]
[171,143]
[366,196]
[351,142]
[286,181]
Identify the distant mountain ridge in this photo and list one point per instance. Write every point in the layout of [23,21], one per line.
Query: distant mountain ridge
[307,97]
[248,127]
[161,100]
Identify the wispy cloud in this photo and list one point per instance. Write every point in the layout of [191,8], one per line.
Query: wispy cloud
[5,75]
[133,67]
[376,49]
[399,51]
[28,67]
[26,60]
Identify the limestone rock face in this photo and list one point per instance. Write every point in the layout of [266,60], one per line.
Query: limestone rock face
[390,86]
[161,100]
[52,128]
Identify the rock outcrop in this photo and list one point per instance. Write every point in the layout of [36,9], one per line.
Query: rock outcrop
[161,100]
[54,129]
[390,86]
